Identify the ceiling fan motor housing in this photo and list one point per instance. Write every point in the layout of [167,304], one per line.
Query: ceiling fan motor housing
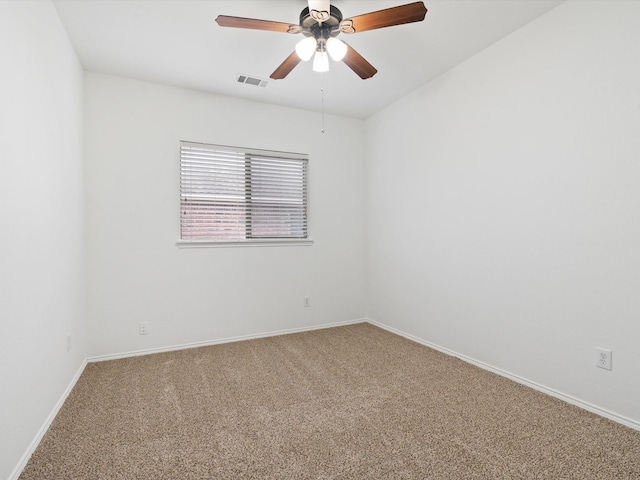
[329,28]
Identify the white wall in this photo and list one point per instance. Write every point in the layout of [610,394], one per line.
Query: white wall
[41,222]
[135,271]
[504,205]
[502,213]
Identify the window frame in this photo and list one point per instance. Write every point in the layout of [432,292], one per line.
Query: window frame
[246,242]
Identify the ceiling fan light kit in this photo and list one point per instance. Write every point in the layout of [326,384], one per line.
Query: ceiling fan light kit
[320,23]
[321,62]
[306,48]
[337,49]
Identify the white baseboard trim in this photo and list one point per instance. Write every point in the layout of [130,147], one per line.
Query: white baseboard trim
[536,386]
[17,471]
[183,346]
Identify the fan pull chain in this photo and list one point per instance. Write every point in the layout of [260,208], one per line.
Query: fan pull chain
[322,95]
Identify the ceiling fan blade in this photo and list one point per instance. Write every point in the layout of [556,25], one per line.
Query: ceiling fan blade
[358,64]
[285,67]
[412,12]
[255,24]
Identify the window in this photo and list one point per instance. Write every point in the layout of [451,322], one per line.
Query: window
[230,194]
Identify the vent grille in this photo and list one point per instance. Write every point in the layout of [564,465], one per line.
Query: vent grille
[249,80]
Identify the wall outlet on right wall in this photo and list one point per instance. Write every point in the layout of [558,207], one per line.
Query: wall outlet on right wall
[603,358]
[144,328]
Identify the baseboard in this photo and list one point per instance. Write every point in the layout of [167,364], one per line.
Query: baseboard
[182,346]
[45,426]
[536,386]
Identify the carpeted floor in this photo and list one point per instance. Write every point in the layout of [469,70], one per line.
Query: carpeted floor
[347,402]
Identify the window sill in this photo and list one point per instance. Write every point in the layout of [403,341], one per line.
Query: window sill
[245,243]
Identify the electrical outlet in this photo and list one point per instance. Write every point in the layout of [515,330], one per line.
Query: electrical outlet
[144,328]
[603,358]
[68,342]
[307,301]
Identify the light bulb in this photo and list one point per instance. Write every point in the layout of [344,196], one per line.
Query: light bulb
[321,62]
[336,48]
[306,47]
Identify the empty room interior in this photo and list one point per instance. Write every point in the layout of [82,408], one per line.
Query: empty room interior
[453,291]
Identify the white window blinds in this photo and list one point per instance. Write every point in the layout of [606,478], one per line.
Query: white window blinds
[233,194]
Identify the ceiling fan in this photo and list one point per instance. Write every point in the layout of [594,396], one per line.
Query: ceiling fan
[321,23]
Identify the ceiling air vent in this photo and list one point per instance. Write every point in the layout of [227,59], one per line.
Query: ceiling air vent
[258,82]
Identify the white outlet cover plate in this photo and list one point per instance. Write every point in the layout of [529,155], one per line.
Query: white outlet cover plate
[603,358]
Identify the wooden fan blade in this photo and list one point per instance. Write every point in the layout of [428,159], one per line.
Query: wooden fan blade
[255,24]
[358,64]
[285,67]
[412,12]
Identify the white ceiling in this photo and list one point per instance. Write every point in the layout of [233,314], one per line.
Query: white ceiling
[177,42]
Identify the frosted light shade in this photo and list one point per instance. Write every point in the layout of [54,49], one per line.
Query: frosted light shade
[321,62]
[336,48]
[306,47]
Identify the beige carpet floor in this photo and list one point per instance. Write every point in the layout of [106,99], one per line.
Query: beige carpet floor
[347,402]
